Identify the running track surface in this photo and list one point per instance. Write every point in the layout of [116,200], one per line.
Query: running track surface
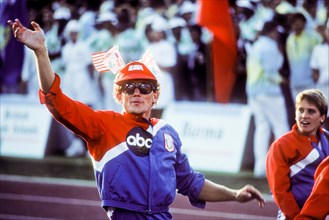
[49,199]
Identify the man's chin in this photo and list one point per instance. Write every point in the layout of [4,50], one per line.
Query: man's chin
[137,111]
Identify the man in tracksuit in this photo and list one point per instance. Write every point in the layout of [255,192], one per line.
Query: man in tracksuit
[137,159]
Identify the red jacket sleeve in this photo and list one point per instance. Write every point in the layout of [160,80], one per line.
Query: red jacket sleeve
[76,116]
[317,205]
[278,170]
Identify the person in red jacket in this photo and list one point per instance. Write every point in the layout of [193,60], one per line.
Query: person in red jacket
[317,205]
[138,162]
[293,158]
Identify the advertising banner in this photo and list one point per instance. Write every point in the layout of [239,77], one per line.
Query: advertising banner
[213,135]
[24,127]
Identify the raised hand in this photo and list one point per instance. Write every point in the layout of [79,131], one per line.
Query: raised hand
[34,39]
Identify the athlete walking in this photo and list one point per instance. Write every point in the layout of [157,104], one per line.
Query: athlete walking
[137,159]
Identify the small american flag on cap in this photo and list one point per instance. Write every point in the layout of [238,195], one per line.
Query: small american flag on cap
[108,61]
[149,61]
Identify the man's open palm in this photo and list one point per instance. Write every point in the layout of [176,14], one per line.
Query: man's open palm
[34,39]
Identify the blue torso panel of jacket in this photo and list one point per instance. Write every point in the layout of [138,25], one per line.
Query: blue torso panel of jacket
[143,172]
[302,173]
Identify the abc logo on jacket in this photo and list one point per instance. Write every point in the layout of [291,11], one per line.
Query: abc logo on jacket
[139,141]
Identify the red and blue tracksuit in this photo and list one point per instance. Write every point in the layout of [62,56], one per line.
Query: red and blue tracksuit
[290,166]
[138,163]
[317,205]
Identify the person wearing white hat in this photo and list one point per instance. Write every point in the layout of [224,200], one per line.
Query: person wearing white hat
[77,69]
[55,38]
[103,36]
[62,13]
[138,160]
[180,32]
[165,56]
[181,38]
[188,11]
[101,40]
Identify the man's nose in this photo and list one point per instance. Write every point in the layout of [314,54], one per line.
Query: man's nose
[137,91]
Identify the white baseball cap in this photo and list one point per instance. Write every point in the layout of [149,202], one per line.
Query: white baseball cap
[73,26]
[159,24]
[187,7]
[176,22]
[107,16]
[62,13]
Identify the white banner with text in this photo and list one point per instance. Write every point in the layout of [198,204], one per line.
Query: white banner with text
[25,127]
[213,135]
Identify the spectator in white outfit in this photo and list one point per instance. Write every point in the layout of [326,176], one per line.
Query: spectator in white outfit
[55,37]
[264,93]
[165,56]
[100,41]
[77,80]
[320,65]
[78,69]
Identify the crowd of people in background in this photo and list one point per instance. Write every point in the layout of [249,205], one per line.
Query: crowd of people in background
[75,29]
[180,46]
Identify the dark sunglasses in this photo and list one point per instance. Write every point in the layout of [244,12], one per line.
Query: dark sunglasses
[143,87]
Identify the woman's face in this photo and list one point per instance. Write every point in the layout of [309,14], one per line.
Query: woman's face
[308,118]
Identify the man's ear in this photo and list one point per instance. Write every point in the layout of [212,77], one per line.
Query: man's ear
[119,97]
[156,96]
[323,118]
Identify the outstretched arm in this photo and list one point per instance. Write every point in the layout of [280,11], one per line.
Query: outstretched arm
[213,192]
[35,40]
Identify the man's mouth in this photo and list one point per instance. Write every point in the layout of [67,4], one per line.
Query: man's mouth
[136,102]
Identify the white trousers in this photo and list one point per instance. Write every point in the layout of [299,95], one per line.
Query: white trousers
[270,115]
